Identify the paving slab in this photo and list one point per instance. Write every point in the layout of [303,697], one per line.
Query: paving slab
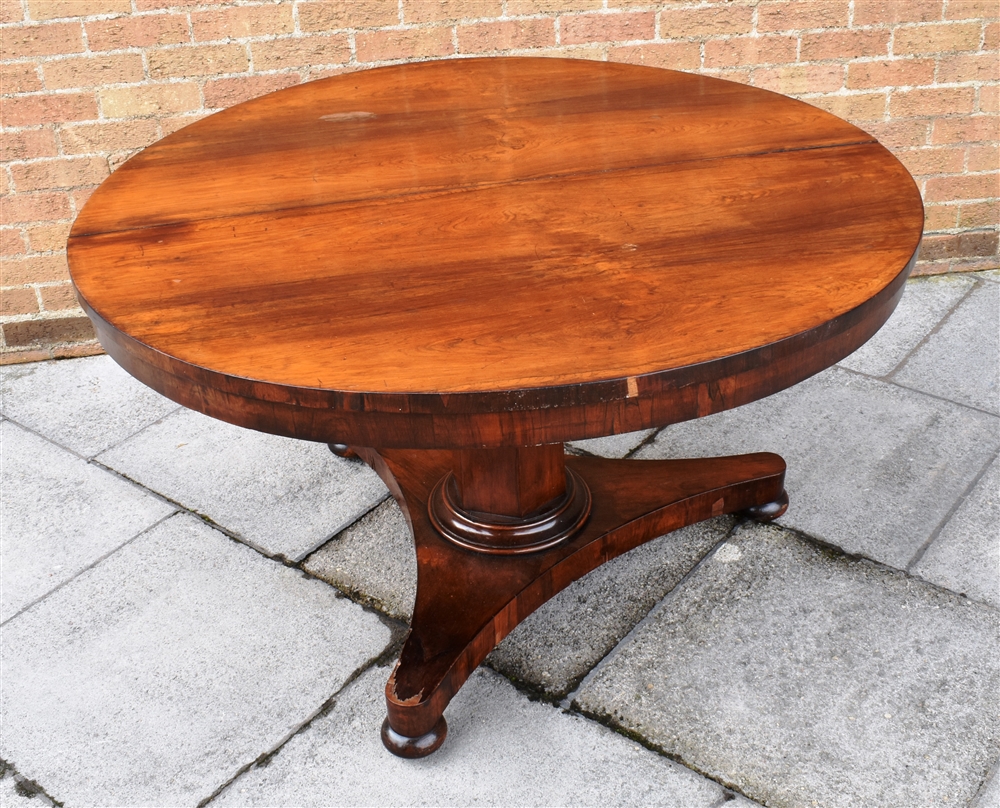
[18,794]
[965,557]
[374,562]
[87,405]
[284,496]
[60,514]
[152,678]
[989,795]
[872,467]
[989,275]
[558,644]
[801,677]
[612,445]
[961,360]
[925,302]
[502,749]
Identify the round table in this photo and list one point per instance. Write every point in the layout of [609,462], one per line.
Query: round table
[449,268]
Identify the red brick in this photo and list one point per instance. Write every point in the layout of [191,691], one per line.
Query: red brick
[968,67]
[925,268]
[28,144]
[933,39]
[671,55]
[113,136]
[843,45]
[890,73]
[242,21]
[983,158]
[11,241]
[989,99]
[19,77]
[902,134]
[579,29]
[70,172]
[54,9]
[172,124]
[59,298]
[857,108]
[797,79]
[932,101]
[959,245]
[149,99]
[48,331]
[34,269]
[226,92]
[30,110]
[796,15]
[991,36]
[50,39]
[34,208]
[750,50]
[18,301]
[740,76]
[79,196]
[157,5]
[420,11]
[89,348]
[412,43]
[506,35]
[19,356]
[331,15]
[970,129]
[143,31]
[300,52]
[979,214]
[940,217]
[11,11]
[878,12]
[694,23]
[968,186]
[972,10]
[93,71]
[933,160]
[515,7]
[197,60]
[48,237]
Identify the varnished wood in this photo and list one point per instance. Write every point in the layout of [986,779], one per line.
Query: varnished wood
[465,264]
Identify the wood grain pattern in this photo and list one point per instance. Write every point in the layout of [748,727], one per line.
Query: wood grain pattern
[404,252]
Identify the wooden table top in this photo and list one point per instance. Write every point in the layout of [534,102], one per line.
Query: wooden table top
[484,235]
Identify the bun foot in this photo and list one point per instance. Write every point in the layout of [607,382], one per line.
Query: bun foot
[769,511]
[342,450]
[421,746]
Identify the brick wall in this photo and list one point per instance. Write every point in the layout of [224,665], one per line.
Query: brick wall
[86,83]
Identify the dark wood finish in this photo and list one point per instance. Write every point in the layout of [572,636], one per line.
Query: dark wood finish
[466,263]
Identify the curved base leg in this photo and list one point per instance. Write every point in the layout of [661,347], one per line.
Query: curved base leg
[769,511]
[468,601]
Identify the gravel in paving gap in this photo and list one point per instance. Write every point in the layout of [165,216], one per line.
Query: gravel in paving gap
[965,557]
[154,677]
[924,303]
[59,515]
[502,749]
[961,361]
[283,496]
[86,405]
[872,468]
[802,677]
[553,649]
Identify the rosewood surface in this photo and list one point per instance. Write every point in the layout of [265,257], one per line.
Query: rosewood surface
[450,268]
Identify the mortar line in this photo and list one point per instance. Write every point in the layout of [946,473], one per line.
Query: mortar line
[922,550]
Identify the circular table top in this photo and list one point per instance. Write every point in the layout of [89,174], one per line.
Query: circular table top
[451,240]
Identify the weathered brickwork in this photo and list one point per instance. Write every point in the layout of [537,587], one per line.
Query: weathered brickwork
[87,83]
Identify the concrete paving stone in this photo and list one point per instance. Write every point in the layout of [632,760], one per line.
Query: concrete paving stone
[282,495]
[965,557]
[989,275]
[59,514]
[373,561]
[924,303]
[800,678]
[613,445]
[14,794]
[872,468]
[989,795]
[152,678]
[961,361]
[86,405]
[502,749]
[559,643]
